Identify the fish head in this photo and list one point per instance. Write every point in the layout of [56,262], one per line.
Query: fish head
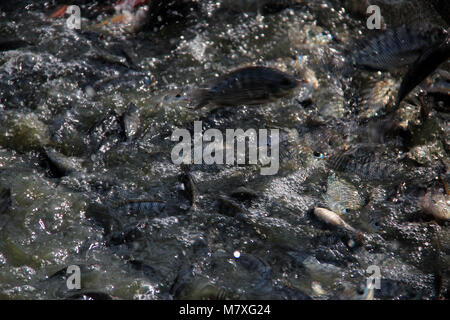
[287,84]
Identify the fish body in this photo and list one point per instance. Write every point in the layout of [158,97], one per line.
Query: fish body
[61,164]
[437,205]
[145,206]
[249,85]
[12,44]
[365,160]
[396,48]
[131,121]
[332,218]
[423,67]
[5,200]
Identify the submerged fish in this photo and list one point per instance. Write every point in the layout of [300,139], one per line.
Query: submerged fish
[332,218]
[12,44]
[249,85]
[144,206]
[5,199]
[375,98]
[61,165]
[423,67]
[130,121]
[397,47]
[437,205]
[342,195]
[365,161]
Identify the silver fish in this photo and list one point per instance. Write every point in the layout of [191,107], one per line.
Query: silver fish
[249,85]
[131,121]
[332,218]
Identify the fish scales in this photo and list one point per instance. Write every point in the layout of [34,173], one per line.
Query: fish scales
[249,85]
[397,47]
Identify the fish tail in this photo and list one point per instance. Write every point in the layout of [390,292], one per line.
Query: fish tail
[200,98]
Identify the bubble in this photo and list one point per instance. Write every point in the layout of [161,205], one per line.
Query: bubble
[237,254]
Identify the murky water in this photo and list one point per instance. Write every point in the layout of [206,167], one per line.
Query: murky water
[87,179]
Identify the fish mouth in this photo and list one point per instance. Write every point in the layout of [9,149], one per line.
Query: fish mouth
[300,81]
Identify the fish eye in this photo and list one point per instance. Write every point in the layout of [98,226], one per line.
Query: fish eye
[360,290]
[318,155]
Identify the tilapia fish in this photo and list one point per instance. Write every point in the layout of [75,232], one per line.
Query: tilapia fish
[396,48]
[365,161]
[333,219]
[249,85]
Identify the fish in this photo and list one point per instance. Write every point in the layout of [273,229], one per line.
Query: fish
[146,269]
[342,195]
[374,98]
[397,47]
[248,85]
[130,121]
[362,292]
[254,264]
[189,190]
[437,205]
[422,68]
[12,44]
[5,199]
[60,165]
[365,161]
[332,218]
[189,285]
[144,206]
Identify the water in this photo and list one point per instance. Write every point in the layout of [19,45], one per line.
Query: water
[97,202]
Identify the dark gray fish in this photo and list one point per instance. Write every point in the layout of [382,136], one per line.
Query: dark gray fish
[442,8]
[396,48]
[364,161]
[249,85]
[145,206]
[61,165]
[5,199]
[6,45]
[231,208]
[188,187]
[189,285]
[254,264]
[243,193]
[423,67]
[146,269]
